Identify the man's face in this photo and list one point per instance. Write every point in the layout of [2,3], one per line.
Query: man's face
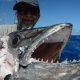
[27,16]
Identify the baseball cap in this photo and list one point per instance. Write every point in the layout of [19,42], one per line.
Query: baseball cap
[26,3]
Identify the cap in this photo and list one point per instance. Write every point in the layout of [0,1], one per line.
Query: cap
[25,2]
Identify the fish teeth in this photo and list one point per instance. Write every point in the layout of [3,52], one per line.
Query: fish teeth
[34,58]
[57,61]
[38,59]
[46,61]
[52,61]
[42,60]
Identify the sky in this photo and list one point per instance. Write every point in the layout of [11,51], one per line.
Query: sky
[51,12]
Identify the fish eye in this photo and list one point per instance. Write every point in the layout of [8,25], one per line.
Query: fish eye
[15,40]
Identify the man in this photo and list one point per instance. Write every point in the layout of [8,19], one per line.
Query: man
[27,12]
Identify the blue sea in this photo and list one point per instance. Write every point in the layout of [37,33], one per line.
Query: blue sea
[72,49]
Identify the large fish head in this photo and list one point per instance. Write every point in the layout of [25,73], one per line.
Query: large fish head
[44,43]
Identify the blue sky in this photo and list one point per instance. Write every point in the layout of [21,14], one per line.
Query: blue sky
[59,11]
[7,15]
[52,12]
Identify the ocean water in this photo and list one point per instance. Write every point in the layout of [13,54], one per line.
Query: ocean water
[72,49]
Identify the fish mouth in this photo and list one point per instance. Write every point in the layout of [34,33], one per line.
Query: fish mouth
[49,43]
[47,52]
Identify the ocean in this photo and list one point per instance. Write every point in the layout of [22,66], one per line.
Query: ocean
[72,49]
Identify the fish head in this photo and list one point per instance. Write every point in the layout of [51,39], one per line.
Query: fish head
[42,44]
